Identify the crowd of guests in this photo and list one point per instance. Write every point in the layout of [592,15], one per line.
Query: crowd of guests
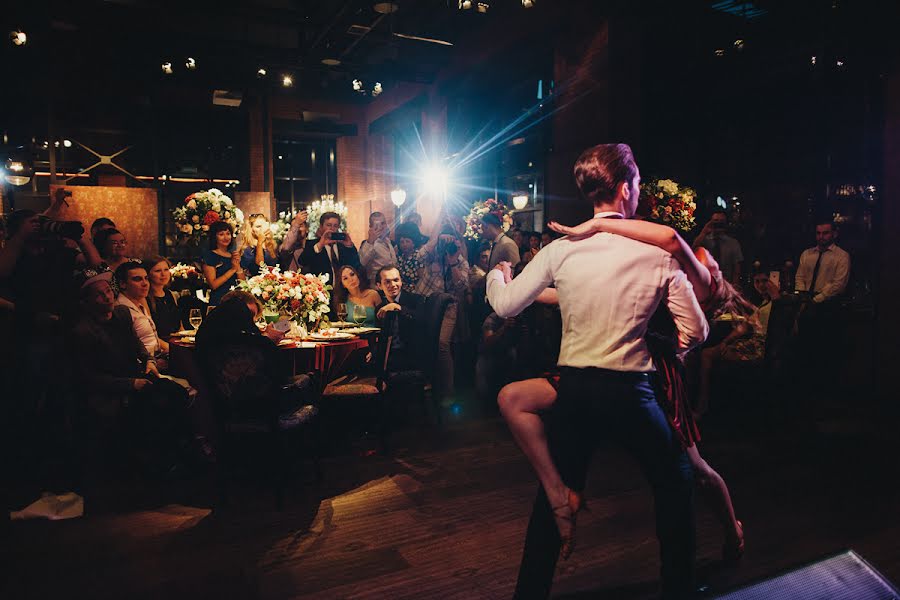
[83,300]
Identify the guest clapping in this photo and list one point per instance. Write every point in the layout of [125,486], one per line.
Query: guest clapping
[221,263]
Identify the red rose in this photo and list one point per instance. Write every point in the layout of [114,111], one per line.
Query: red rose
[211,217]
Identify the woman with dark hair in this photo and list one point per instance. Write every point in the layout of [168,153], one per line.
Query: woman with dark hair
[522,402]
[258,247]
[221,263]
[113,247]
[409,261]
[163,303]
[353,289]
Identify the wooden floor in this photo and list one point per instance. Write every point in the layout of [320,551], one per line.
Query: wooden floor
[445,516]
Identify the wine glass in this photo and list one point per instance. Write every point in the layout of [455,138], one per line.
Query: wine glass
[359,314]
[195,318]
[342,311]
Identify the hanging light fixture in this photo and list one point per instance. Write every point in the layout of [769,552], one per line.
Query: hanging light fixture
[398,197]
[18,172]
[520,201]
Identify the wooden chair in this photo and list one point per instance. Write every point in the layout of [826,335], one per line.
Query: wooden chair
[369,386]
[248,401]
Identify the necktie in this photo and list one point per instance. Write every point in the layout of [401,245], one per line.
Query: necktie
[332,259]
[815,275]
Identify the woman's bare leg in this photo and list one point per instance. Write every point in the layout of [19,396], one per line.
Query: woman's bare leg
[716,494]
[520,402]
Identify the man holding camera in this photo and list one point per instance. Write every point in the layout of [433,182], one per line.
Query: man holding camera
[330,251]
[724,248]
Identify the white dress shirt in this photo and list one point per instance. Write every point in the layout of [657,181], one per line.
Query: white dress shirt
[143,325]
[834,271]
[609,286]
[375,256]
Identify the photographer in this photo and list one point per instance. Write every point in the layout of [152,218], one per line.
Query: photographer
[724,248]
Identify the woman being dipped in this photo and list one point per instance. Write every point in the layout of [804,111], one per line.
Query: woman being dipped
[258,247]
[522,402]
[353,289]
[221,263]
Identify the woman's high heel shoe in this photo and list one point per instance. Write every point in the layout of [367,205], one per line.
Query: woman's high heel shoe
[574,504]
[733,550]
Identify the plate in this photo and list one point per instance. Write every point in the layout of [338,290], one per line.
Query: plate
[331,337]
[341,324]
[361,330]
[184,332]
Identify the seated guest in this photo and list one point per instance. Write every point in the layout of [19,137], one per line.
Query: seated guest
[376,250]
[353,289]
[232,325]
[325,254]
[113,248]
[221,263]
[110,360]
[100,224]
[258,247]
[405,347]
[163,303]
[410,261]
[294,242]
[134,287]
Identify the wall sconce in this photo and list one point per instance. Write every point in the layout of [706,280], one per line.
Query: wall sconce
[520,201]
[398,197]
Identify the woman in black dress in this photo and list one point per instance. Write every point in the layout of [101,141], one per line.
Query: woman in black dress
[163,303]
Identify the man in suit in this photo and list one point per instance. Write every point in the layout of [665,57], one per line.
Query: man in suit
[503,248]
[608,287]
[326,254]
[406,346]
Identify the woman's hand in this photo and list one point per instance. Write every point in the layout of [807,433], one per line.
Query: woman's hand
[580,231]
[236,261]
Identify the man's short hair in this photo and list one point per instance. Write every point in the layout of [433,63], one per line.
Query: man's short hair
[328,215]
[492,219]
[122,271]
[719,211]
[17,219]
[245,297]
[599,170]
[826,220]
[383,269]
[102,222]
[375,215]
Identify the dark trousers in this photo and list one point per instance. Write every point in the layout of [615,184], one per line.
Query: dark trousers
[597,404]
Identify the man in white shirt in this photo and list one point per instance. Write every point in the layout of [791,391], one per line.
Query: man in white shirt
[824,269]
[609,286]
[376,251]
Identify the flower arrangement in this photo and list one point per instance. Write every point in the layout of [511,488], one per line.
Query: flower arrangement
[669,203]
[183,271]
[481,208]
[326,204]
[202,209]
[304,297]
[282,225]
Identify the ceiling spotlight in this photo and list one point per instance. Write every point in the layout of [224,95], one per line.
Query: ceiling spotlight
[840,63]
[377,89]
[18,37]
[167,68]
[720,52]
[385,8]
[527,3]
[261,72]
[812,60]
[358,86]
[67,143]
[465,4]
[190,63]
[482,7]
[331,62]
[287,81]
[739,44]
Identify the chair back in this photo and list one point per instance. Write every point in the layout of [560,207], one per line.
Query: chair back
[383,347]
[239,373]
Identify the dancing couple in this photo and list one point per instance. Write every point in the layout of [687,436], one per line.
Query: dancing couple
[608,288]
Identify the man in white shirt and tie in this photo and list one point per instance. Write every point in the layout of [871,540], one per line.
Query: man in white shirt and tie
[330,251]
[825,268]
[609,287]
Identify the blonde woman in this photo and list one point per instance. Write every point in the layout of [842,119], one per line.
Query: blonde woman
[258,247]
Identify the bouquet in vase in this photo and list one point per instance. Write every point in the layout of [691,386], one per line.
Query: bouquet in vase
[491,205]
[668,203]
[185,272]
[202,209]
[305,298]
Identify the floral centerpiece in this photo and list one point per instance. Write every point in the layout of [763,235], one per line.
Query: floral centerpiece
[326,204]
[183,271]
[305,298]
[668,203]
[202,209]
[491,205]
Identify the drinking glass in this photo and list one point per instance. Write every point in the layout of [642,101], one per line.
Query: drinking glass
[359,314]
[195,318]
[342,311]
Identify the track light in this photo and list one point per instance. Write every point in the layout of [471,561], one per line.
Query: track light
[287,81]
[357,85]
[465,4]
[18,37]
[190,63]
[482,7]
[260,73]
[167,68]
[377,89]
[527,3]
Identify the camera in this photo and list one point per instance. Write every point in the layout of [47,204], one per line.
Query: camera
[339,236]
[447,247]
[72,230]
